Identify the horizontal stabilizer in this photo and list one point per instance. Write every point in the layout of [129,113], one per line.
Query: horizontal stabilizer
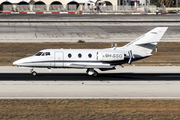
[142,55]
[143,43]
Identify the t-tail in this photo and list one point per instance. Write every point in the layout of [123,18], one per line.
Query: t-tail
[144,45]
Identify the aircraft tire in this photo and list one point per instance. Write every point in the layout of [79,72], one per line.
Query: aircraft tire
[34,73]
[95,74]
[87,70]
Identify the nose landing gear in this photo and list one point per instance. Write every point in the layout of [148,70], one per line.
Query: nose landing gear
[34,73]
[92,72]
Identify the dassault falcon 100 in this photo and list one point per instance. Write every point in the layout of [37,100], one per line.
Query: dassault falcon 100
[91,59]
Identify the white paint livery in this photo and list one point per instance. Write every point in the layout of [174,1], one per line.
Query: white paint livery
[90,59]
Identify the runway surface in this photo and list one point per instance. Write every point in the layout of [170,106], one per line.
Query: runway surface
[89,18]
[130,73]
[89,32]
[84,77]
[130,82]
[72,16]
[107,28]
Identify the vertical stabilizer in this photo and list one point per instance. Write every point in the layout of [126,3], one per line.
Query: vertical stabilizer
[146,43]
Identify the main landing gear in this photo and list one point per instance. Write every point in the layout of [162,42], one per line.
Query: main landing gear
[34,73]
[92,72]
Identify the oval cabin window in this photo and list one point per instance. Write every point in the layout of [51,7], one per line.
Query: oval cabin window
[69,55]
[89,55]
[79,55]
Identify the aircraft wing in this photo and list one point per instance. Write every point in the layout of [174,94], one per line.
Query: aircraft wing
[90,66]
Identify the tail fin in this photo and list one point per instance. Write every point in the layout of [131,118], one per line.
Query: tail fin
[146,43]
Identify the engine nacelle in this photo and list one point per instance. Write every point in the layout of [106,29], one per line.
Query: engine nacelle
[110,56]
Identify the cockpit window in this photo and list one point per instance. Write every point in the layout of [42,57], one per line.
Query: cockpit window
[38,54]
[47,53]
[42,54]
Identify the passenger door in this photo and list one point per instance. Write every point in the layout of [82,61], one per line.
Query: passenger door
[58,59]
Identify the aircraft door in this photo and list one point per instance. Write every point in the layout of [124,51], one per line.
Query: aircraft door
[58,59]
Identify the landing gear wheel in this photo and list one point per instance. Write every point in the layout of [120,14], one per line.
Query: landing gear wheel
[87,70]
[95,74]
[34,73]
[92,72]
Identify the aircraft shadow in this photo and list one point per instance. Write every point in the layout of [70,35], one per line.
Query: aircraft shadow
[85,77]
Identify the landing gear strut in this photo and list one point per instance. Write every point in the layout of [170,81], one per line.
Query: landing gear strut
[92,72]
[34,73]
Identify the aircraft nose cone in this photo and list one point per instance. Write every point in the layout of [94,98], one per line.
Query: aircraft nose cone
[15,62]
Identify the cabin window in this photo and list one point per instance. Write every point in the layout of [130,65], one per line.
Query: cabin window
[79,55]
[69,55]
[89,55]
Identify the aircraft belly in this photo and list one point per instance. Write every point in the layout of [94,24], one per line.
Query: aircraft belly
[37,64]
[58,64]
[86,65]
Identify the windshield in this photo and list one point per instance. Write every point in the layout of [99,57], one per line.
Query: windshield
[38,54]
[42,54]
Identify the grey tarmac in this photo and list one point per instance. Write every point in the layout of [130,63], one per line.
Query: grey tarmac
[52,17]
[68,32]
[107,28]
[131,82]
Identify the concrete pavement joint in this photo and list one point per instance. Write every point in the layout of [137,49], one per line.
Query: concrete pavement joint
[149,98]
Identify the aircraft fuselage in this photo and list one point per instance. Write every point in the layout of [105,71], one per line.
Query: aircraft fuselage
[75,58]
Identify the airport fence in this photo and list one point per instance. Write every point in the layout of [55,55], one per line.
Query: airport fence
[8,8]
[56,8]
[120,9]
[77,8]
[40,8]
[22,8]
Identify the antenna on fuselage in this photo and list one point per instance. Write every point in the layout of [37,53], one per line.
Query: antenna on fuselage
[115,46]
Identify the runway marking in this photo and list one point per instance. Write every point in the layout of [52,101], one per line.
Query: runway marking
[90,30]
[169,98]
[169,76]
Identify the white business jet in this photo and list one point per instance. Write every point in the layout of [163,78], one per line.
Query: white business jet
[91,59]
